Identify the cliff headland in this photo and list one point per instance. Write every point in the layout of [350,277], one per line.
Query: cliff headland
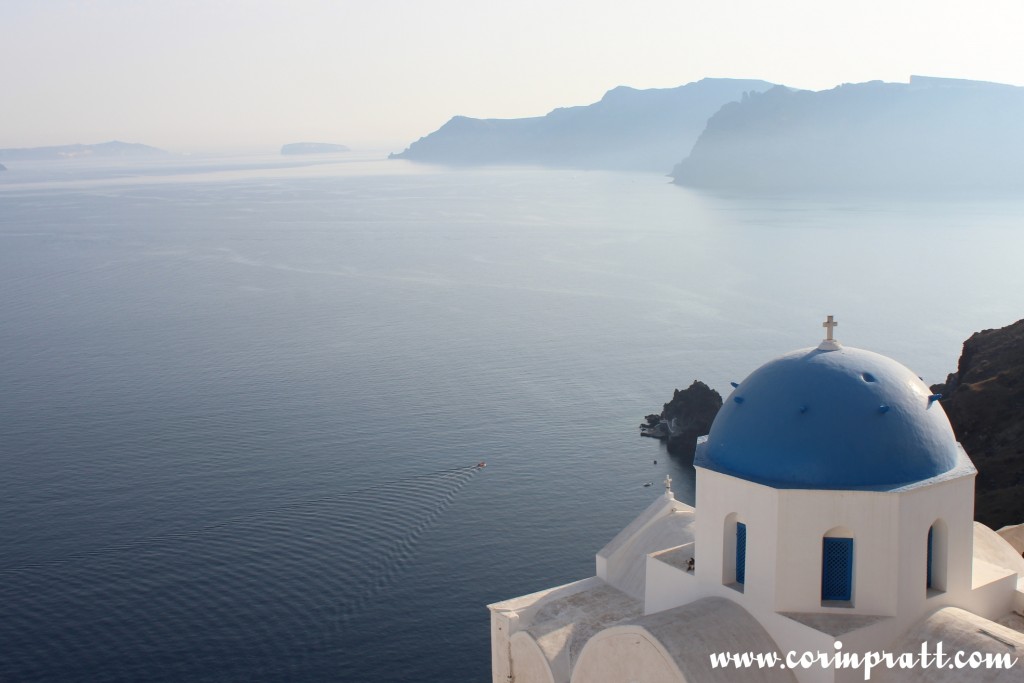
[630,129]
[928,136]
[931,135]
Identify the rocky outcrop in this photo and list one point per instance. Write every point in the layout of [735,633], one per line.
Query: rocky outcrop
[312,148]
[690,412]
[627,129]
[984,400]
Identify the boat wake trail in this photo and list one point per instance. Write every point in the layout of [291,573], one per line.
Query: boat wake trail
[256,590]
[414,483]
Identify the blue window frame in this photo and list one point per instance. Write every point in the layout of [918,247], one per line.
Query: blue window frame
[741,553]
[837,569]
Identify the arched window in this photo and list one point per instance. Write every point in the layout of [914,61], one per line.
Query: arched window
[734,552]
[837,567]
[935,563]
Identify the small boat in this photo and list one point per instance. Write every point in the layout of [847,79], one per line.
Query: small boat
[480,465]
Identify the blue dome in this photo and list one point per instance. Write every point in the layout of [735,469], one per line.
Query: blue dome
[831,419]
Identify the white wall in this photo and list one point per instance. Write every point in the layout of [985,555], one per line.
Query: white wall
[719,496]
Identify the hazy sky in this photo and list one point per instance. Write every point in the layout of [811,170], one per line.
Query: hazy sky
[193,75]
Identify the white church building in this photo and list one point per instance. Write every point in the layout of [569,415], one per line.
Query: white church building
[835,515]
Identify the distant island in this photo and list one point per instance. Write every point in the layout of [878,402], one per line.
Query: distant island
[928,136]
[105,150]
[312,148]
[932,135]
[627,129]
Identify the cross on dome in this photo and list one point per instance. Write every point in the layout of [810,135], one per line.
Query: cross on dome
[830,324]
[829,343]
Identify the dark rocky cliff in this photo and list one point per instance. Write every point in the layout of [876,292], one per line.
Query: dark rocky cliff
[984,399]
[693,410]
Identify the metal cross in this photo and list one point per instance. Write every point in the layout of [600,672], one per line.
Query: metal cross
[829,324]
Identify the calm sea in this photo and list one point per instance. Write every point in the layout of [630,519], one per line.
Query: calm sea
[241,400]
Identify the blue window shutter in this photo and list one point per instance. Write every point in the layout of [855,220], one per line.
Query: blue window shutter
[930,557]
[741,552]
[837,569]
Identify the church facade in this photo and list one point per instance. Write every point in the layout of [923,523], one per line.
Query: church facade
[834,516]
